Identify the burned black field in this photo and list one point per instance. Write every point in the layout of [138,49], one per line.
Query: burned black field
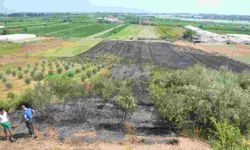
[162,54]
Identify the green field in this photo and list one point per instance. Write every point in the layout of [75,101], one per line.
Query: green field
[129,32]
[70,48]
[77,26]
[9,48]
[221,28]
[136,32]
[170,32]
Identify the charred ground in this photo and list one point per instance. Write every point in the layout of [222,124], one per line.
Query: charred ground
[162,54]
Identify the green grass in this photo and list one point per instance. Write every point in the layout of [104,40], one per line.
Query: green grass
[244,59]
[58,25]
[148,31]
[128,32]
[71,48]
[171,32]
[9,48]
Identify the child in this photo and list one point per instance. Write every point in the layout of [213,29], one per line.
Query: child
[6,125]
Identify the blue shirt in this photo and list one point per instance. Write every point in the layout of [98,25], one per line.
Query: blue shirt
[28,114]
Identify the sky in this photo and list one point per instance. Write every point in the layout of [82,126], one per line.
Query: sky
[240,7]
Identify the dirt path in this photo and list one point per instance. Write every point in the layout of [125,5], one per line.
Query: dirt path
[48,141]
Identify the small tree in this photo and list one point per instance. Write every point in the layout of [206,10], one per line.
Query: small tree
[89,73]
[59,70]
[13,73]
[94,70]
[83,68]
[20,75]
[19,68]
[1,75]
[127,104]
[188,35]
[226,136]
[4,79]
[78,71]
[27,81]
[9,85]
[8,71]
[83,78]
[38,76]
[11,96]
[26,71]
[66,67]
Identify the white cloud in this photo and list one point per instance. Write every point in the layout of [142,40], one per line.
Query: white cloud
[209,3]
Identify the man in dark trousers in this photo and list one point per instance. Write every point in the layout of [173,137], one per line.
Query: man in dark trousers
[28,114]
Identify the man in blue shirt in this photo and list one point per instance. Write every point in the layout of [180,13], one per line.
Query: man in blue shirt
[28,114]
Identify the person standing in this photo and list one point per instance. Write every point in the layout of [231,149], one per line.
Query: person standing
[28,114]
[6,125]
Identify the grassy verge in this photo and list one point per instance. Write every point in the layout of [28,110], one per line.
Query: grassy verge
[129,32]
[71,48]
[9,48]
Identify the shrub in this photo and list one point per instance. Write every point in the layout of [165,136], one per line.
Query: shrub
[69,74]
[8,71]
[4,79]
[1,75]
[50,64]
[63,88]
[35,68]
[11,96]
[225,136]
[78,71]
[9,85]
[20,75]
[83,68]
[28,65]
[89,73]
[38,76]
[190,97]
[83,78]
[27,81]
[32,73]
[59,70]
[19,68]
[66,67]
[43,62]
[99,67]
[94,70]
[57,65]
[13,73]
[40,97]
[26,71]
[127,103]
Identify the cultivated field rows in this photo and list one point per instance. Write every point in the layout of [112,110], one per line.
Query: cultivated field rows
[162,54]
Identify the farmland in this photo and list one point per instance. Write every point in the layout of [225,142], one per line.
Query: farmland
[67,26]
[162,54]
[69,48]
[220,28]
[9,48]
[136,82]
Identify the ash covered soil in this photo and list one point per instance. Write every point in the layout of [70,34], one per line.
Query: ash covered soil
[92,114]
[162,54]
[91,120]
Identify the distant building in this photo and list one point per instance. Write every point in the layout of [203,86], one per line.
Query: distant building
[109,19]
